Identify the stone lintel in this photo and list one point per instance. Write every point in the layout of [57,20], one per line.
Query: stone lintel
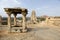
[15,10]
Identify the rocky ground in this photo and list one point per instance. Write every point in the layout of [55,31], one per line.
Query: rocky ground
[34,33]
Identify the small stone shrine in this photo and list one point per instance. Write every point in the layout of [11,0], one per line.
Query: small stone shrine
[16,11]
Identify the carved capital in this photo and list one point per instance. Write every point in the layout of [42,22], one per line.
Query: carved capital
[15,14]
[9,14]
[24,13]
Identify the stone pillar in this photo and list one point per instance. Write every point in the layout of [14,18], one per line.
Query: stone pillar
[9,22]
[0,20]
[15,23]
[47,20]
[24,22]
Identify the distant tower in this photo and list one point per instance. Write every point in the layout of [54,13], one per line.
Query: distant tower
[33,16]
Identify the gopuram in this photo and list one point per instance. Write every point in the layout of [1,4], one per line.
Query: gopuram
[33,17]
[15,11]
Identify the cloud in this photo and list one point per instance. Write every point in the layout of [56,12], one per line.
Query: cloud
[8,3]
[48,10]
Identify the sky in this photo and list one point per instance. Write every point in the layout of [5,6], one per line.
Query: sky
[41,7]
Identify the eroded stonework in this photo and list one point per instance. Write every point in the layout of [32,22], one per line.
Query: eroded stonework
[16,11]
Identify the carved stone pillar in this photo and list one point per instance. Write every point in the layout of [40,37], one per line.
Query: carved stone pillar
[9,22]
[15,23]
[24,22]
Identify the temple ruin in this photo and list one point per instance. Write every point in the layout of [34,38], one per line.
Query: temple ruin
[33,17]
[15,11]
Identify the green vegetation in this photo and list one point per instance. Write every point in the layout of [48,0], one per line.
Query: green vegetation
[4,19]
[40,19]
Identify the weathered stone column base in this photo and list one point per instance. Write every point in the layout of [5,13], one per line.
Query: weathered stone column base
[24,30]
[9,30]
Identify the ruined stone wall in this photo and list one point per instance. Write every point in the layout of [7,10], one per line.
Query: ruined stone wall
[54,21]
